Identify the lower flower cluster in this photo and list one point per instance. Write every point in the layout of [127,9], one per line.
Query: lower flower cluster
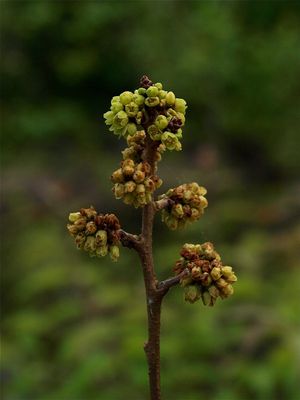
[186,203]
[206,277]
[134,182]
[95,233]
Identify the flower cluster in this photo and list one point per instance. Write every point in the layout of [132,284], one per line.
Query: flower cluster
[186,203]
[206,277]
[95,233]
[134,182]
[149,107]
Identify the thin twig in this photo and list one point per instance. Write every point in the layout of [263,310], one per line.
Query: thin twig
[168,283]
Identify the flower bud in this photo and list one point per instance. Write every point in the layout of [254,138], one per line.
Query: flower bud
[216,273]
[126,97]
[90,244]
[117,176]
[127,170]
[159,86]
[206,298]
[80,240]
[129,186]
[192,293]
[162,94]
[138,99]
[139,176]
[114,252]
[161,122]
[180,105]
[74,216]
[140,188]
[177,210]
[101,238]
[131,109]
[102,251]
[152,101]
[221,283]
[195,213]
[119,190]
[121,119]
[128,198]
[91,228]
[170,98]
[227,271]
[131,128]
[116,107]
[154,132]
[152,91]
[109,116]
[227,290]
[142,90]
[214,291]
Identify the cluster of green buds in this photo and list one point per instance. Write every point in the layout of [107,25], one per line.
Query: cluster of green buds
[95,233]
[206,276]
[186,203]
[149,107]
[134,183]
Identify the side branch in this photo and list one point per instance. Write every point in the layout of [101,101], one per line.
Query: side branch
[129,240]
[163,203]
[168,283]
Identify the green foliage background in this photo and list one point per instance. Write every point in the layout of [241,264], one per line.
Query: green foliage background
[73,327]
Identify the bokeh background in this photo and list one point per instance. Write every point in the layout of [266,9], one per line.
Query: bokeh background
[73,327]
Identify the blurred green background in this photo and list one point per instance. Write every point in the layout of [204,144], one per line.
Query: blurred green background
[73,328]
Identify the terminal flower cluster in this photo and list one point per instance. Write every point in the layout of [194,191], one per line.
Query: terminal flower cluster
[207,278]
[186,203]
[149,107]
[95,233]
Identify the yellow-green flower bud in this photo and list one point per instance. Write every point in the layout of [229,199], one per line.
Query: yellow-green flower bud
[170,140]
[139,117]
[102,251]
[109,116]
[139,176]
[152,91]
[80,240]
[203,202]
[126,97]
[171,222]
[128,198]
[161,122]
[226,271]
[158,85]
[115,99]
[206,298]
[221,283]
[101,238]
[138,99]
[195,213]
[177,210]
[129,187]
[162,94]
[154,132]
[121,119]
[90,244]
[214,291]
[131,109]
[116,107]
[117,176]
[170,98]
[180,105]
[131,128]
[227,290]
[114,252]
[128,170]
[141,91]
[192,293]
[74,216]
[118,190]
[216,273]
[152,101]
[140,188]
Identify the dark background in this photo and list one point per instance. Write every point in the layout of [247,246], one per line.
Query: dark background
[73,328]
